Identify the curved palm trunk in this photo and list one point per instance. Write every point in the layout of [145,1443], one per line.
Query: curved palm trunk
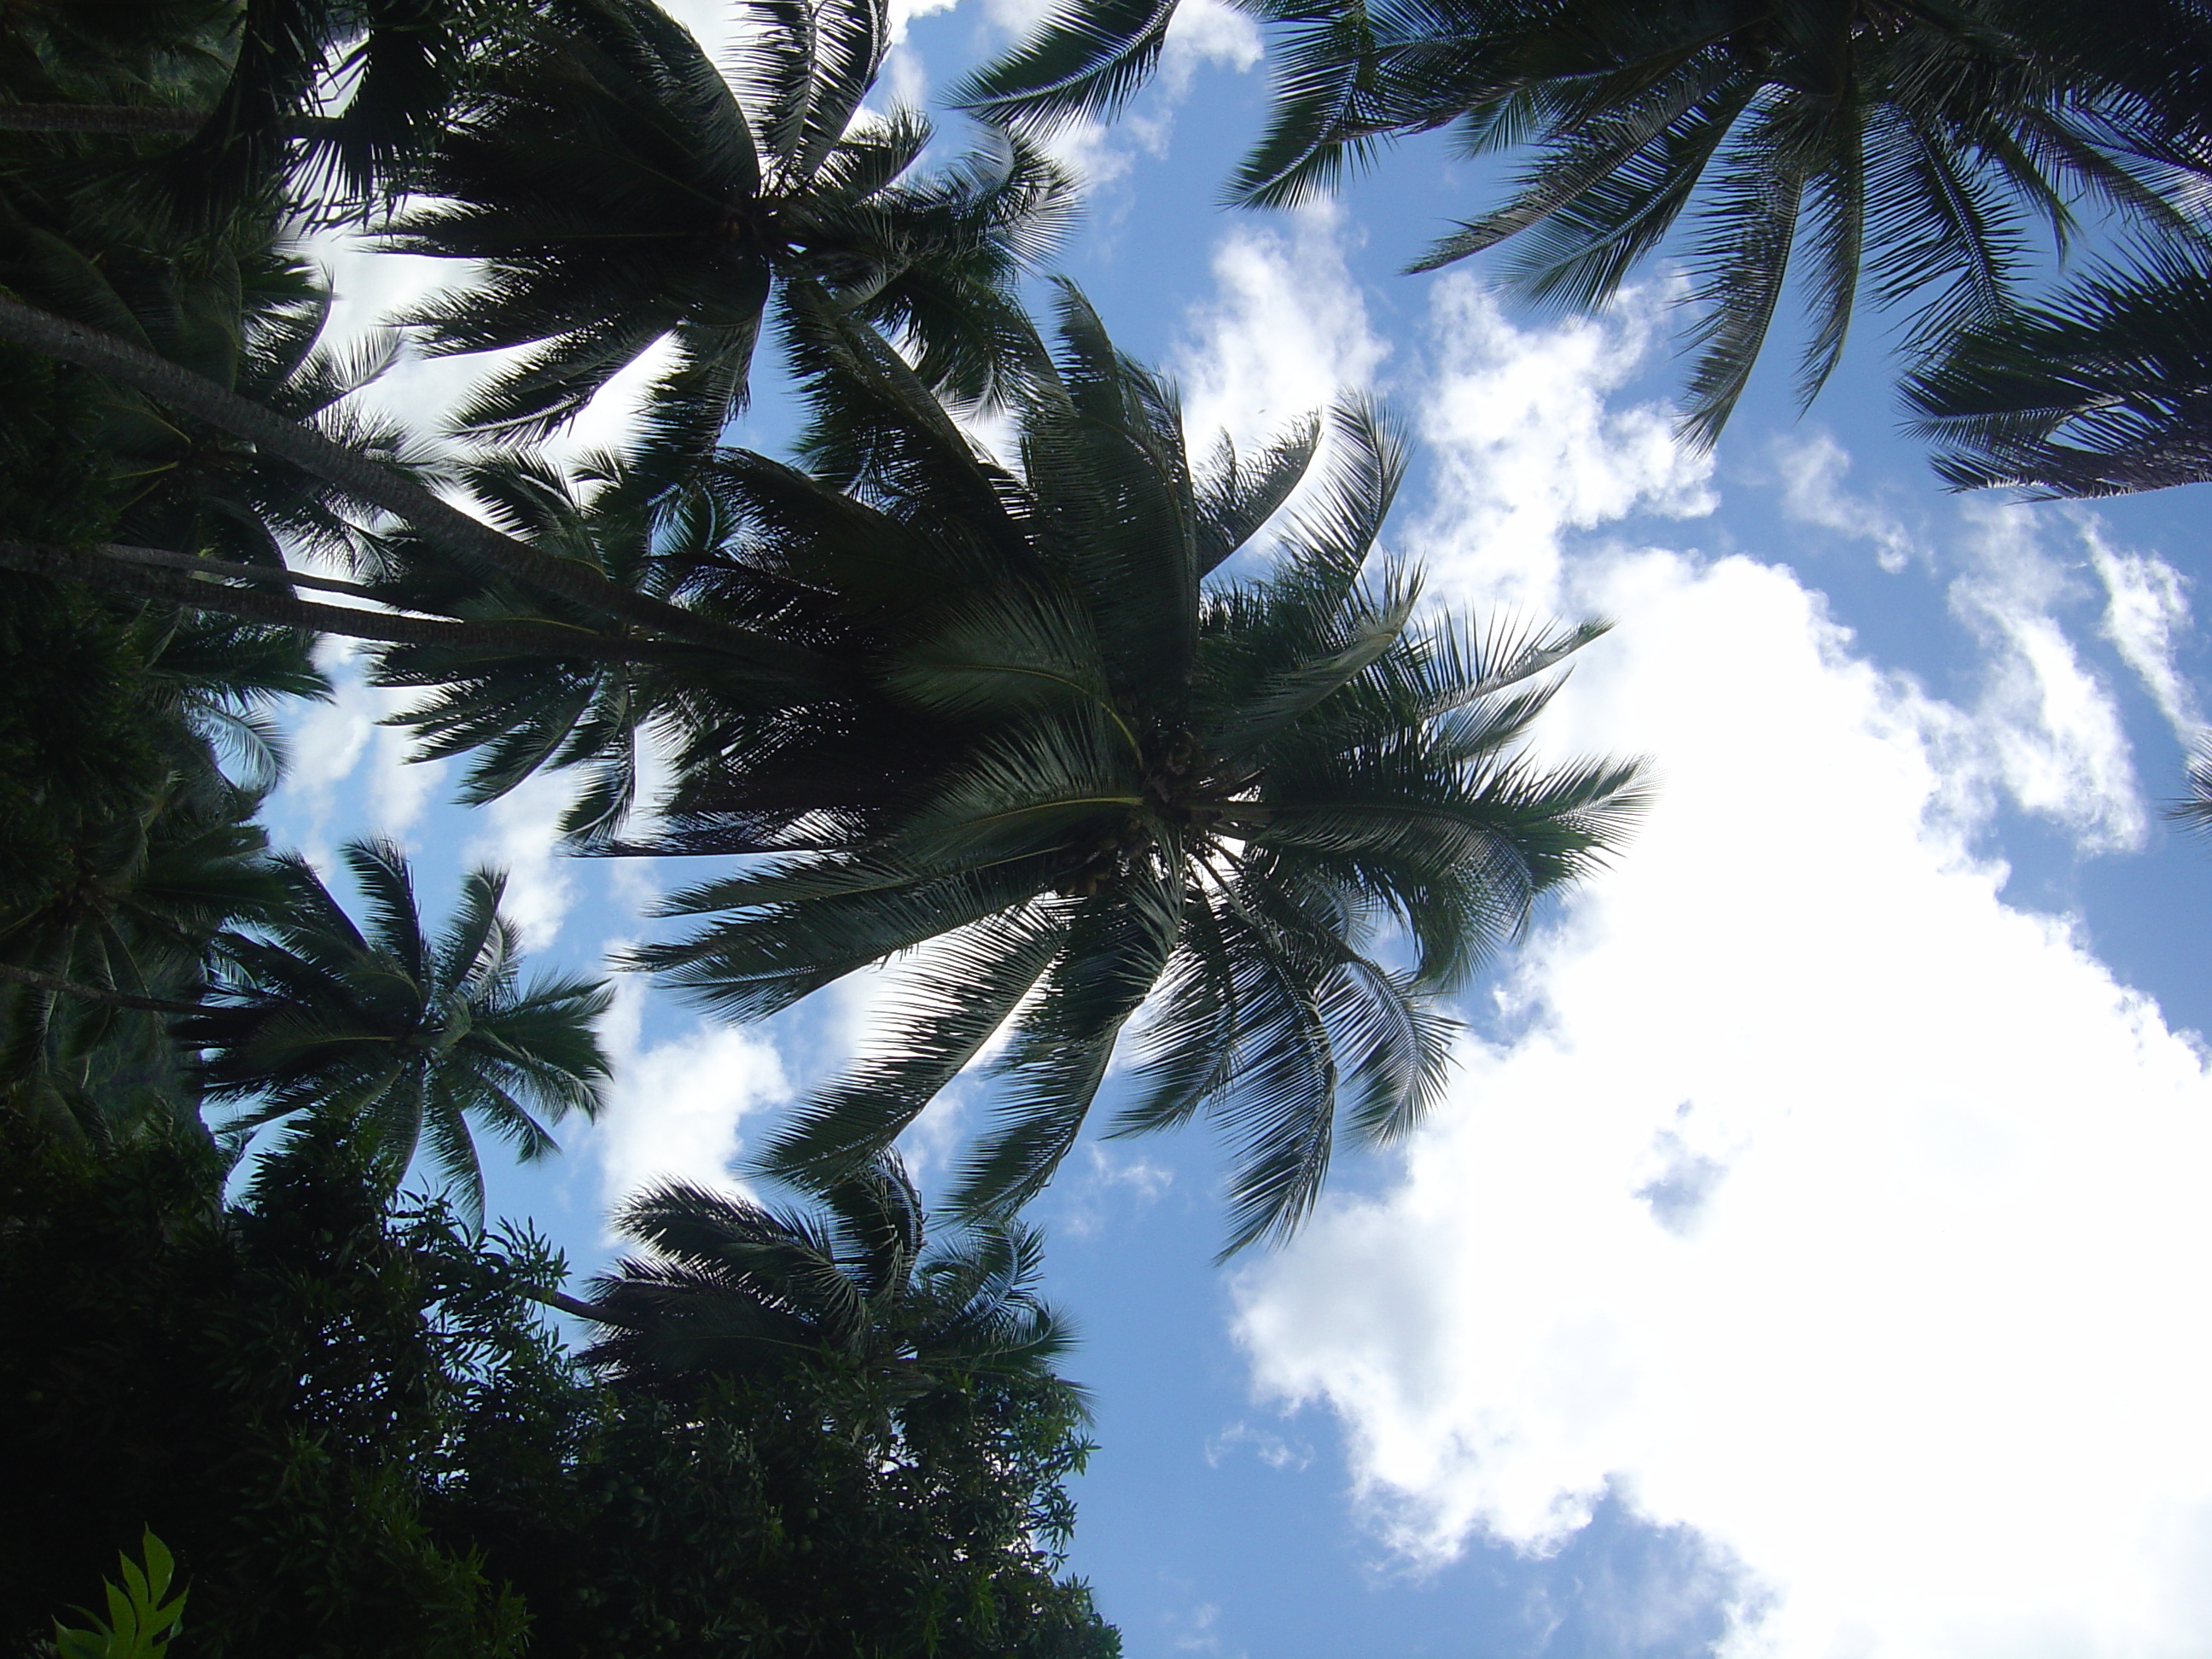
[245,573]
[124,120]
[69,987]
[570,1305]
[372,481]
[131,571]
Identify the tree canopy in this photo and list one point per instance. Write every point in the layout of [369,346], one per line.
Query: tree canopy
[352,1426]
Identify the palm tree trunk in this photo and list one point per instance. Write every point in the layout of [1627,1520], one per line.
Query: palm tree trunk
[570,1305]
[370,480]
[133,575]
[127,120]
[244,573]
[69,987]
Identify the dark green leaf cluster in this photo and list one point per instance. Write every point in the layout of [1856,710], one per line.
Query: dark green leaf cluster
[724,1286]
[258,1385]
[358,1438]
[2105,390]
[127,849]
[409,1041]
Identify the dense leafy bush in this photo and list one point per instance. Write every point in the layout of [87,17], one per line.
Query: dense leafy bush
[359,1438]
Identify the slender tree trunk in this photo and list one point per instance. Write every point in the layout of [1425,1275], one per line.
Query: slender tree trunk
[137,120]
[244,573]
[370,480]
[138,577]
[126,120]
[570,1305]
[69,987]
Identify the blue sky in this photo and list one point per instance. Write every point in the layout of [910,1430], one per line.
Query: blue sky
[1806,1261]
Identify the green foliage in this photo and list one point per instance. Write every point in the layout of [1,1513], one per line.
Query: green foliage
[404,1040]
[56,480]
[256,1385]
[801,1517]
[363,1442]
[2105,390]
[618,191]
[1085,765]
[727,1287]
[124,848]
[140,1623]
[1903,154]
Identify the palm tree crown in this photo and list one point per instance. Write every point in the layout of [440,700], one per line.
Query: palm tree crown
[1104,775]
[620,192]
[408,1038]
[731,1287]
[1898,148]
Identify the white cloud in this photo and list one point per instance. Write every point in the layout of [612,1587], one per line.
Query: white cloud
[524,838]
[1283,1455]
[2052,724]
[677,1106]
[327,744]
[2147,620]
[324,742]
[1811,469]
[1526,445]
[1208,31]
[903,12]
[1811,1197]
[1286,333]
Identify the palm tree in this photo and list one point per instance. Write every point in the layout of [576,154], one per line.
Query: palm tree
[729,1287]
[200,110]
[402,1038]
[1860,145]
[934,260]
[135,752]
[1098,774]
[2105,391]
[620,193]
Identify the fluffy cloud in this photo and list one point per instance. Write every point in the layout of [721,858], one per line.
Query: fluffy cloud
[1807,1194]
[329,745]
[1527,443]
[523,837]
[1811,470]
[2050,722]
[676,1106]
[1286,334]
[2147,620]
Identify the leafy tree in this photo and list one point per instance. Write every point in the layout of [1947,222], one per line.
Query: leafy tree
[199,110]
[365,1442]
[257,1384]
[2105,391]
[1898,151]
[128,847]
[1098,762]
[729,1287]
[1011,711]
[403,1039]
